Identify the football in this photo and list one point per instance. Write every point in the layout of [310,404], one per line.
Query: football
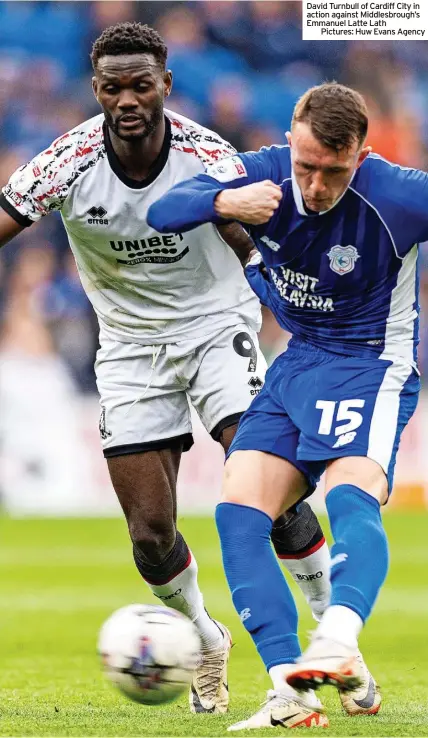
[149,652]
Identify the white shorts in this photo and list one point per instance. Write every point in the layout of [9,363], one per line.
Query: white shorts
[145,390]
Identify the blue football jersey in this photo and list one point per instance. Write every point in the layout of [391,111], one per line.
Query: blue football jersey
[345,279]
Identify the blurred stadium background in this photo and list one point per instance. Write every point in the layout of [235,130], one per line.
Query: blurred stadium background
[238,68]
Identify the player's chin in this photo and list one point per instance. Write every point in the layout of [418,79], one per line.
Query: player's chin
[318,206]
[133,133]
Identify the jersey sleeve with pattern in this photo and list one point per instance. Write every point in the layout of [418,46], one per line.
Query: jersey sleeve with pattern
[197,140]
[191,203]
[43,184]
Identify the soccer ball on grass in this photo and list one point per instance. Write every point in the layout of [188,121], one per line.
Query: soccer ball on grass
[149,652]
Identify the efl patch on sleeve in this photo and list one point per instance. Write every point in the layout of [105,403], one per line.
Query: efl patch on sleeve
[227,170]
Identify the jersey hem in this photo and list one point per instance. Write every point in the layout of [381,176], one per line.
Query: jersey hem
[341,453]
[298,464]
[210,327]
[226,422]
[183,442]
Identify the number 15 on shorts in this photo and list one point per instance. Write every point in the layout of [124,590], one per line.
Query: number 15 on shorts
[343,415]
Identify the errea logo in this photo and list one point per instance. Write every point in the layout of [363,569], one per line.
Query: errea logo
[256,384]
[97,216]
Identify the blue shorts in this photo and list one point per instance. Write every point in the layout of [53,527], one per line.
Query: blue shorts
[316,406]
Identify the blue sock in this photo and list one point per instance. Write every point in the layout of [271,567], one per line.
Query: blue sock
[360,546]
[260,593]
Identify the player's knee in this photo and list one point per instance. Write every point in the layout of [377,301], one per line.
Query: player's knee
[361,472]
[297,532]
[153,538]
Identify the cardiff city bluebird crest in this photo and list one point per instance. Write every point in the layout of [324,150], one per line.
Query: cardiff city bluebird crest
[343,258]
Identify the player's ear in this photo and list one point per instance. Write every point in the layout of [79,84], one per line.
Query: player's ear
[95,87]
[363,155]
[288,137]
[167,81]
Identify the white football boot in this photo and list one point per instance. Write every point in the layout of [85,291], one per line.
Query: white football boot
[366,699]
[327,662]
[209,691]
[283,710]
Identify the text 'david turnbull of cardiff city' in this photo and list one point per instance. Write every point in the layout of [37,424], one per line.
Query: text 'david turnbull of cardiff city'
[365,19]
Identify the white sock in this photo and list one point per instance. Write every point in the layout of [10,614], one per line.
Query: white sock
[182,593]
[278,674]
[340,624]
[312,573]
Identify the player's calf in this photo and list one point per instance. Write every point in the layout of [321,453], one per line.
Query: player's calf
[175,582]
[145,484]
[359,566]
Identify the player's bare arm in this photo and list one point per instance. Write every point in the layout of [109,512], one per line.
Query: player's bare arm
[238,240]
[254,203]
[9,228]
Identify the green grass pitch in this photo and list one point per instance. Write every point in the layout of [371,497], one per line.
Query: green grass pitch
[59,579]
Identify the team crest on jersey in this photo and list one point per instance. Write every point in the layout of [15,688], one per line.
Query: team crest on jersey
[343,258]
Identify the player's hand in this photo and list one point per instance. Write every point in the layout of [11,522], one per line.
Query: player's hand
[254,203]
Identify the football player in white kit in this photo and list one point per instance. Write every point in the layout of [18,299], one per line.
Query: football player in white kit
[177,320]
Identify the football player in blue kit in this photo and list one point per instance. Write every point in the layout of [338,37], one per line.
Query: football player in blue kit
[337,229]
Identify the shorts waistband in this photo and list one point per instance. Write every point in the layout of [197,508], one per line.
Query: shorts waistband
[303,348]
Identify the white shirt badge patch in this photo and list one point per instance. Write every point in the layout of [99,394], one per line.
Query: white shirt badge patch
[227,170]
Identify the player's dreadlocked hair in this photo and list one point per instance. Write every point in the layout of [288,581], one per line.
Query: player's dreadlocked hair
[129,38]
[336,114]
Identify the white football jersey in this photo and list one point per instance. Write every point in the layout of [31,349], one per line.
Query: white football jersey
[146,287]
